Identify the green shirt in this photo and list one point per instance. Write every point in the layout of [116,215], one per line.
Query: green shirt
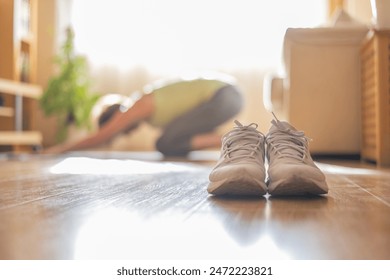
[177,98]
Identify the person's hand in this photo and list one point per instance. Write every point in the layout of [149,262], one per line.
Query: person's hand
[57,149]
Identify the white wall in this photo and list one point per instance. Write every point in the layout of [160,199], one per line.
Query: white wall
[359,9]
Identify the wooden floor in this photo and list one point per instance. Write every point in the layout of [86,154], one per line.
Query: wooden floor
[137,206]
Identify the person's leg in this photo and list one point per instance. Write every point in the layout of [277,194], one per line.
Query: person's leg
[204,141]
[193,129]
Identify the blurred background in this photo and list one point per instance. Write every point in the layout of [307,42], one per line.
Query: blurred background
[128,44]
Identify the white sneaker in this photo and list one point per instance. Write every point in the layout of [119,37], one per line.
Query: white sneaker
[240,168]
[291,170]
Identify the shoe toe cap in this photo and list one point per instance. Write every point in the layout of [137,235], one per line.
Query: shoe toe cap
[295,169]
[238,170]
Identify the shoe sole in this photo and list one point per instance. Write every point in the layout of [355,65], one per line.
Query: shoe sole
[238,187]
[297,186]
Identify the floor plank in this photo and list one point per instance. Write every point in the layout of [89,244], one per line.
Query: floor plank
[135,206]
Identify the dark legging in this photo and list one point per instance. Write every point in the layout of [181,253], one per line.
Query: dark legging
[176,137]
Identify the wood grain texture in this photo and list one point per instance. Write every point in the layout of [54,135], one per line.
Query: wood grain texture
[106,206]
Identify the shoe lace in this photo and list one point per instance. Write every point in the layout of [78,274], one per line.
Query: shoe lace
[244,141]
[287,142]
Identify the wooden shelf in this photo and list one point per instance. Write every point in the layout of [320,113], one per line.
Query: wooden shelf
[27,39]
[18,55]
[20,88]
[6,111]
[20,138]
[375,85]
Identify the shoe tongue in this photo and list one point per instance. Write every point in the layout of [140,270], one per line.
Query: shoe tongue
[281,125]
[295,137]
[285,127]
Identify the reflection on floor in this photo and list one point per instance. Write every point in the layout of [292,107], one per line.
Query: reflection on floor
[142,206]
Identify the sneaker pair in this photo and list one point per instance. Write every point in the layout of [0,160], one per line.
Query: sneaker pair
[240,169]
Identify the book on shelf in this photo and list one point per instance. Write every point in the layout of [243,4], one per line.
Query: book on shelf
[24,66]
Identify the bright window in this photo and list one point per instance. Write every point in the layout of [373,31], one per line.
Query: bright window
[172,36]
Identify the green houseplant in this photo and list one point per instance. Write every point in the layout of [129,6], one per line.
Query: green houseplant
[68,94]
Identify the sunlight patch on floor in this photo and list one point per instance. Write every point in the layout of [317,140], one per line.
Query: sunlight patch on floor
[84,165]
[115,233]
[338,169]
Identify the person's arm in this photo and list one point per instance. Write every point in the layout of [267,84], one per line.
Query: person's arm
[142,109]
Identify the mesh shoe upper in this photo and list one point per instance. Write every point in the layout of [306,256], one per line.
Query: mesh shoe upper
[241,163]
[291,169]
